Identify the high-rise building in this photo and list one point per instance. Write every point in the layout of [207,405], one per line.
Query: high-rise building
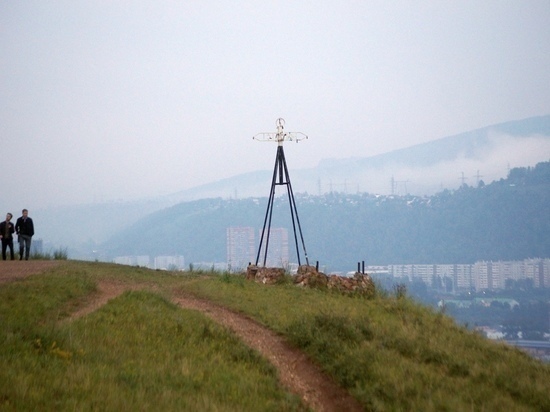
[482,275]
[240,247]
[277,250]
[463,277]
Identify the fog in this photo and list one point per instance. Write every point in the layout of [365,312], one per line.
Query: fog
[103,101]
[488,164]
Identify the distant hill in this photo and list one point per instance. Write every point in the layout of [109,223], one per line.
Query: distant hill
[485,154]
[423,169]
[506,220]
[475,145]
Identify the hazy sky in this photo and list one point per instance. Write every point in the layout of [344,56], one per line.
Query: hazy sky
[107,100]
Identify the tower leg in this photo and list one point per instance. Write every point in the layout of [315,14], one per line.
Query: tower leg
[268,214]
[280,171]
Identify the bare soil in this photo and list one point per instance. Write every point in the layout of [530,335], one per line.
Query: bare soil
[296,371]
[11,270]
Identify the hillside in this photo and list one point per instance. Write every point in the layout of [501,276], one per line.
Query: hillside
[505,220]
[422,169]
[418,170]
[100,336]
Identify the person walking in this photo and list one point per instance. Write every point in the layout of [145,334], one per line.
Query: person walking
[24,228]
[6,234]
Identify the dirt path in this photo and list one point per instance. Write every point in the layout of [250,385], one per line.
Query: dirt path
[296,371]
[11,270]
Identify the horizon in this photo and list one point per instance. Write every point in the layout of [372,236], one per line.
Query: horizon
[496,172]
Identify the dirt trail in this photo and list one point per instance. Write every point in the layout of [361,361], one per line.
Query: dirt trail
[296,371]
[11,270]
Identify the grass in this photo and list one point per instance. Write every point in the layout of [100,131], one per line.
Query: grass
[58,254]
[141,352]
[390,352]
[138,352]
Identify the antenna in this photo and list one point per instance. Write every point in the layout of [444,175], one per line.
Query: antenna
[280,136]
[281,177]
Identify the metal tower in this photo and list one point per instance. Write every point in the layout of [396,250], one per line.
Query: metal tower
[281,178]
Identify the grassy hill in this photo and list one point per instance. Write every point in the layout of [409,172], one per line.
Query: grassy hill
[141,351]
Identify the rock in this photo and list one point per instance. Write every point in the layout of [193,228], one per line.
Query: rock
[309,276]
[251,271]
[360,283]
[265,275]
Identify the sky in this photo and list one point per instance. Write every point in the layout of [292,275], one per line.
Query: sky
[117,100]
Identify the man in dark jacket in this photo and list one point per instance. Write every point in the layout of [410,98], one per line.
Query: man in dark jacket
[25,229]
[6,234]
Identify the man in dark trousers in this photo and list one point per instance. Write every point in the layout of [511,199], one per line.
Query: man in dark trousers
[25,230]
[6,234]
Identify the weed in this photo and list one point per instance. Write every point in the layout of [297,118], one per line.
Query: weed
[400,290]
[59,254]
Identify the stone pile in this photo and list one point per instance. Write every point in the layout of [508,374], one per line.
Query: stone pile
[360,283]
[267,276]
[309,276]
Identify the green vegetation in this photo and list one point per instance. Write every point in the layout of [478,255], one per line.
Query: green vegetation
[58,254]
[390,352]
[140,351]
[504,220]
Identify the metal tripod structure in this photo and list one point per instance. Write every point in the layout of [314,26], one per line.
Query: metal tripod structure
[281,178]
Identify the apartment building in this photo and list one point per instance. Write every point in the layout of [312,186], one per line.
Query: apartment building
[479,276]
[277,250]
[240,247]
[169,262]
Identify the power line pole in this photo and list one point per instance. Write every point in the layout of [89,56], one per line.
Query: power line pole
[463,179]
[394,185]
[478,178]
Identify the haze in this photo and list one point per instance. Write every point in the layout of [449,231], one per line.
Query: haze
[112,100]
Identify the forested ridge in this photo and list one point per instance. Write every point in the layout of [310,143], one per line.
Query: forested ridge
[507,219]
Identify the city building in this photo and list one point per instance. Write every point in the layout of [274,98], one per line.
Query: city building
[277,250]
[463,277]
[482,275]
[240,247]
[169,262]
[142,260]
